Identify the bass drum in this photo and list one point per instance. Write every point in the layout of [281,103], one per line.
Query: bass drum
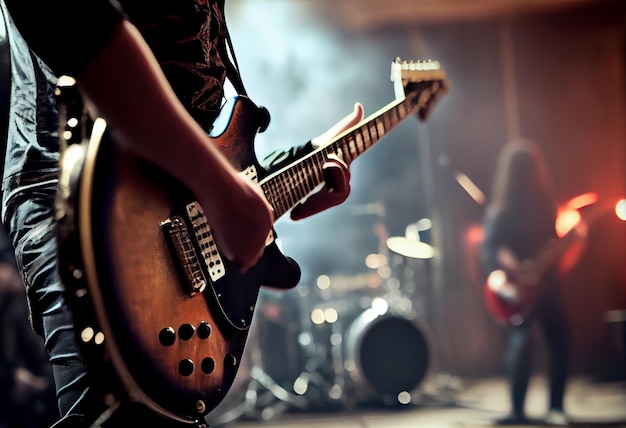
[385,355]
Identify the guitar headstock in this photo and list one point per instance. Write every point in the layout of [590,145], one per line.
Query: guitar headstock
[425,79]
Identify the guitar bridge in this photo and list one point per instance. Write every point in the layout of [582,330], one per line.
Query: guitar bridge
[177,236]
[194,248]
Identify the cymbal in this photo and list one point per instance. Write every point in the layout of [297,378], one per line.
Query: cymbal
[410,248]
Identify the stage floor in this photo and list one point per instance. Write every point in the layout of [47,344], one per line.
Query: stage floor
[442,401]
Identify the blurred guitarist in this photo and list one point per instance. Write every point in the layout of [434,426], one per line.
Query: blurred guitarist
[156,71]
[519,222]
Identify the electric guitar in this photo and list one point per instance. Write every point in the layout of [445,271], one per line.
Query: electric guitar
[167,311]
[511,298]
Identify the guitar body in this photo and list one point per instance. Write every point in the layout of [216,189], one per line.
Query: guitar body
[509,312]
[176,348]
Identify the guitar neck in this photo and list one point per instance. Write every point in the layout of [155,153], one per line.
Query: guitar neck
[288,186]
[553,251]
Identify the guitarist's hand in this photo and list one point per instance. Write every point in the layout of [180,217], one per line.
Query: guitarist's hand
[336,172]
[527,274]
[242,223]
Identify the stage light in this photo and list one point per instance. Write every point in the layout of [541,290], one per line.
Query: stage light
[87,334]
[317,316]
[620,209]
[404,398]
[323,282]
[566,220]
[330,315]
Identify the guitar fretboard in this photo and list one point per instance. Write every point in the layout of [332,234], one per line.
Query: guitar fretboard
[286,187]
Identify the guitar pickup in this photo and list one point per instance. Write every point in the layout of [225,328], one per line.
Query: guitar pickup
[186,260]
[209,253]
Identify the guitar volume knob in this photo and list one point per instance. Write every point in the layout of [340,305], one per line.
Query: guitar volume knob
[186,367]
[185,331]
[167,336]
[204,330]
[208,365]
[230,361]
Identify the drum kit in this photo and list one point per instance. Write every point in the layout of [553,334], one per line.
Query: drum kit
[343,342]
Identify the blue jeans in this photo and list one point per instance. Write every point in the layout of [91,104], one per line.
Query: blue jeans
[29,217]
[28,196]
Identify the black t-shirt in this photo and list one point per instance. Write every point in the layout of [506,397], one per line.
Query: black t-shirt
[185,35]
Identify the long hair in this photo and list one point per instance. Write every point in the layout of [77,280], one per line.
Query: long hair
[522,181]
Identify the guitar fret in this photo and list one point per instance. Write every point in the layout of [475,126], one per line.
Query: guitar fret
[283,195]
[403,110]
[309,176]
[279,205]
[366,139]
[359,142]
[287,184]
[288,188]
[271,191]
[301,189]
[286,196]
[399,115]
[300,184]
[311,181]
[318,177]
[381,129]
[390,123]
[292,188]
[383,125]
[306,179]
[348,143]
[270,195]
[352,148]
[297,187]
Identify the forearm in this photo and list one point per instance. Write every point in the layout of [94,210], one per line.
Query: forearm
[145,114]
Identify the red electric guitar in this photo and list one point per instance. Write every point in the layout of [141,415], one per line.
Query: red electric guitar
[510,297]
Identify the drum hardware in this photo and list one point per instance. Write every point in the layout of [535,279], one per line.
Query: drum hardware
[309,350]
[414,244]
[409,248]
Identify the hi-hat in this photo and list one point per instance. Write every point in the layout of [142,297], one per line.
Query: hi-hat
[410,247]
